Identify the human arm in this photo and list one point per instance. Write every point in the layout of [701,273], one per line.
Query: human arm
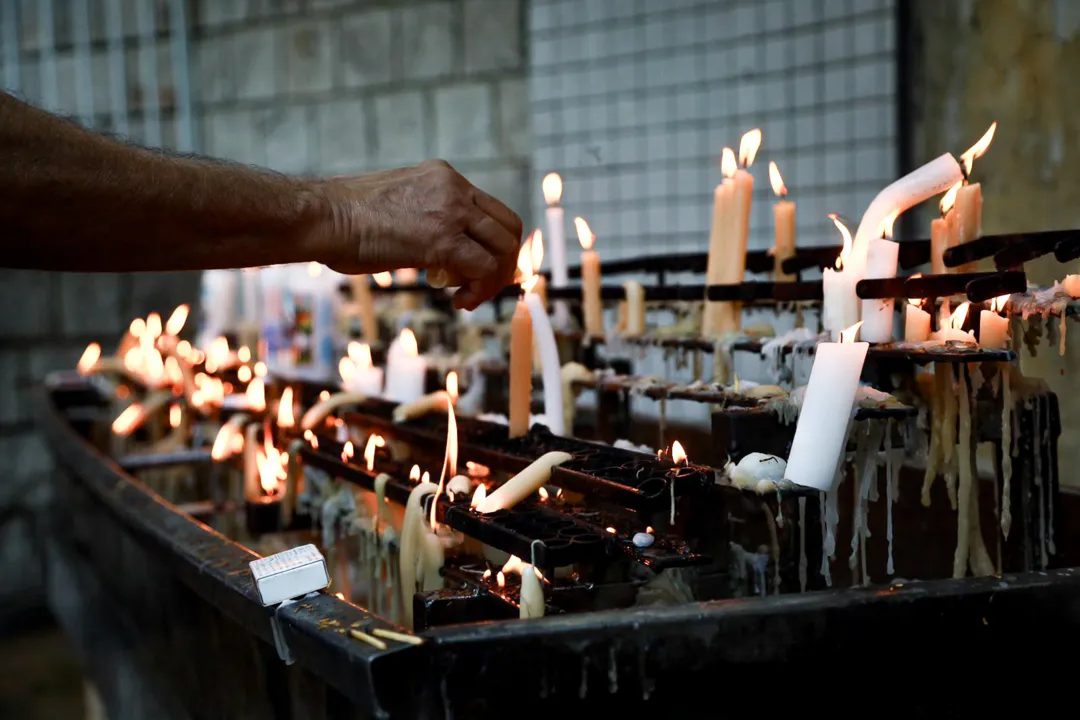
[72,199]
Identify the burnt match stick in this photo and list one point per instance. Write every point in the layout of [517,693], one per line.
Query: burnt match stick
[372,641]
[398,637]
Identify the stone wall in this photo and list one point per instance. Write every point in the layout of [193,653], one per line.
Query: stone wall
[343,87]
[1015,62]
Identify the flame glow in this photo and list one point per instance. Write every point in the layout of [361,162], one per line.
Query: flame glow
[610,529]
[841,259]
[584,233]
[347,451]
[360,354]
[998,304]
[414,473]
[949,198]
[225,442]
[956,320]
[543,494]
[776,181]
[128,420]
[729,165]
[153,325]
[383,279]
[314,269]
[748,147]
[476,470]
[285,416]
[678,455]
[500,579]
[513,565]
[137,327]
[847,335]
[175,416]
[217,356]
[89,358]
[536,249]
[552,187]
[272,464]
[176,320]
[916,302]
[452,384]
[243,374]
[478,495]
[312,439]
[487,574]
[887,225]
[408,342]
[978,149]
[374,442]
[256,395]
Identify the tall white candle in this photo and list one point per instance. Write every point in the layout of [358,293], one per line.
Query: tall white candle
[826,412]
[544,337]
[406,370]
[933,178]
[881,262]
[635,308]
[531,603]
[552,186]
[840,304]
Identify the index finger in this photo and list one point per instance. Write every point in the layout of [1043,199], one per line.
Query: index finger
[499,212]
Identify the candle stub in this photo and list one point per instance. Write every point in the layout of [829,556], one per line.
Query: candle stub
[289,574]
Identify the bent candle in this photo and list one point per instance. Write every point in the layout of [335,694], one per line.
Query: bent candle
[524,484]
[821,433]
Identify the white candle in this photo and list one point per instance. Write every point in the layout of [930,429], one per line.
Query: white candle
[916,322]
[994,329]
[406,370]
[840,306]
[544,337]
[556,229]
[1070,285]
[322,409]
[432,557]
[635,308]
[522,485]
[881,262]
[411,529]
[826,412]
[358,373]
[942,232]
[437,401]
[934,177]
[951,330]
[531,603]
[591,304]
[969,198]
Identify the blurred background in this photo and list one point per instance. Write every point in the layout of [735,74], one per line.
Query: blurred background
[630,100]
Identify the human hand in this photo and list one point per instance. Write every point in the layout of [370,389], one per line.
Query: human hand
[428,217]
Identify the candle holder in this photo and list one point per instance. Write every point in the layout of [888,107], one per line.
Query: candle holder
[263,515]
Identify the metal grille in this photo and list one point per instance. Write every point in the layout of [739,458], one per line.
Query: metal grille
[633,100]
[115,65]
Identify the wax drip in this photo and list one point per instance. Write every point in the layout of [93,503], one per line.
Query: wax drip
[1049,485]
[1063,330]
[933,455]
[774,548]
[1007,450]
[948,438]
[802,544]
[963,533]
[1033,408]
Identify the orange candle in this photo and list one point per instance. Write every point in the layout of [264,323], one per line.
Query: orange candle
[521,358]
[592,306]
[718,239]
[784,223]
[734,269]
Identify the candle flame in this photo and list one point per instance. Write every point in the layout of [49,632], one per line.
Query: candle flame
[360,354]
[513,565]
[610,529]
[224,443]
[243,374]
[949,198]
[998,304]
[244,354]
[314,269]
[449,467]
[956,320]
[649,530]
[153,325]
[374,442]
[777,181]
[552,187]
[347,369]
[89,358]
[536,245]
[408,342]
[183,348]
[916,302]
[847,336]
[584,233]
[176,320]
[128,420]
[256,394]
[500,579]
[347,451]
[728,164]
[978,149]
[748,147]
[324,396]
[487,574]
[476,470]
[260,369]
[383,279]
[543,494]
[478,495]
[452,385]
[175,416]
[887,225]
[271,464]
[426,477]
[312,439]
[524,263]
[406,276]
[137,327]
[678,455]
[218,354]
[285,416]
[841,259]
[414,473]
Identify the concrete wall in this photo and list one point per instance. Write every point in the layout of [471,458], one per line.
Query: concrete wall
[1015,62]
[344,87]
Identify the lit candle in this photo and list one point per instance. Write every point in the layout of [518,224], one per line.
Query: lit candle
[821,433]
[535,243]
[322,409]
[993,328]
[840,304]
[406,370]
[916,321]
[521,363]
[591,305]
[522,485]
[951,330]
[943,232]
[412,529]
[556,229]
[969,197]
[358,373]
[635,308]
[784,222]
[881,262]
[1070,285]
[738,229]
[365,305]
[531,603]
[720,250]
